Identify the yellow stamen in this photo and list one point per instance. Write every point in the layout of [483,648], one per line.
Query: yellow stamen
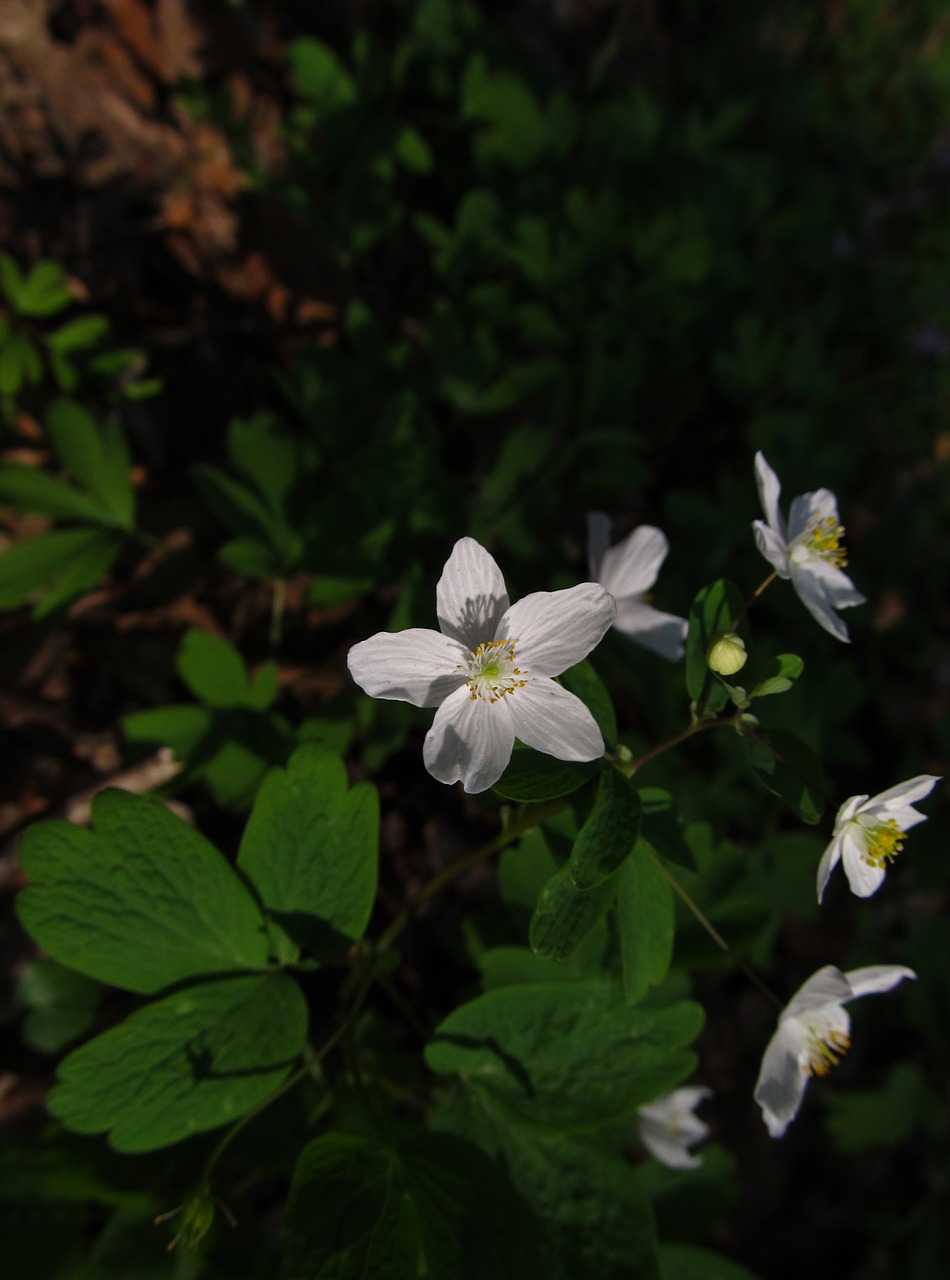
[824,536]
[825,1051]
[492,672]
[884,843]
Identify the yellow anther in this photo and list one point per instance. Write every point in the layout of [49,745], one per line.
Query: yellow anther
[825,538]
[884,843]
[826,1051]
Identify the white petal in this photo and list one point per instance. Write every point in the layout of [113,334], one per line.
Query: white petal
[551,720]
[663,633]
[554,630]
[910,791]
[828,986]
[810,508]
[772,547]
[863,878]
[417,666]
[838,589]
[470,741]
[470,597]
[813,595]
[769,488]
[631,567]
[877,977]
[598,540]
[829,860]
[847,811]
[781,1084]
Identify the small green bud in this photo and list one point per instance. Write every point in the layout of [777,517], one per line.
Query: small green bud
[726,654]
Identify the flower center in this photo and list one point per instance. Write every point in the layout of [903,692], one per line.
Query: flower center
[883,843]
[492,671]
[824,1049]
[824,539]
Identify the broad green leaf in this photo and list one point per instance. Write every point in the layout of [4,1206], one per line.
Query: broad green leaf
[192,1061]
[885,1117]
[310,848]
[212,669]
[781,673]
[514,128]
[644,923]
[319,76]
[565,915]
[268,454]
[687,1262]
[412,151]
[67,560]
[714,609]
[61,1004]
[584,681]
[358,1208]
[609,833]
[96,455]
[787,767]
[262,686]
[43,292]
[532,776]
[595,1218]
[75,335]
[609,1058]
[30,489]
[11,278]
[179,727]
[251,558]
[141,902]
[19,363]
[238,506]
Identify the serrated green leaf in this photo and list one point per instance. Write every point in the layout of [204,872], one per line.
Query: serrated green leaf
[192,1061]
[714,609]
[609,1058]
[142,902]
[212,669]
[533,776]
[310,848]
[61,1004]
[583,681]
[787,767]
[96,455]
[30,489]
[565,915]
[610,832]
[356,1210]
[644,923]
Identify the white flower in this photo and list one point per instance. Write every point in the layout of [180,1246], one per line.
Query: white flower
[813,1035]
[869,833]
[489,670]
[628,570]
[808,550]
[668,1127]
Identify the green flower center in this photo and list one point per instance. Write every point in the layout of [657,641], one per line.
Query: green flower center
[492,671]
[824,538]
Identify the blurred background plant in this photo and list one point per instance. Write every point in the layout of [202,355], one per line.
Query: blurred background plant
[407,272]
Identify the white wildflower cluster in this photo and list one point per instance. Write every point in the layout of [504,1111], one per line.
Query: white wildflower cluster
[491,668]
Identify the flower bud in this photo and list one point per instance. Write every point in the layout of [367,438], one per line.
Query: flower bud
[726,654]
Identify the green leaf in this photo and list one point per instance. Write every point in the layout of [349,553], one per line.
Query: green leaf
[687,1262]
[61,1004]
[30,489]
[212,669]
[594,1216]
[77,334]
[19,363]
[715,609]
[583,681]
[197,1059]
[262,687]
[644,923]
[319,76]
[609,1059]
[235,504]
[357,1210]
[412,151]
[787,767]
[11,278]
[142,902]
[782,672]
[565,915]
[56,565]
[310,849]
[96,455]
[180,727]
[532,776]
[610,832]
[662,825]
[251,558]
[885,1117]
[43,292]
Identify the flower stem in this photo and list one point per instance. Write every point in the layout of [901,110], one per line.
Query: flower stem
[754,596]
[662,747]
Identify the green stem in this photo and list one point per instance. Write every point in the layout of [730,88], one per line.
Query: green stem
[635,765]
